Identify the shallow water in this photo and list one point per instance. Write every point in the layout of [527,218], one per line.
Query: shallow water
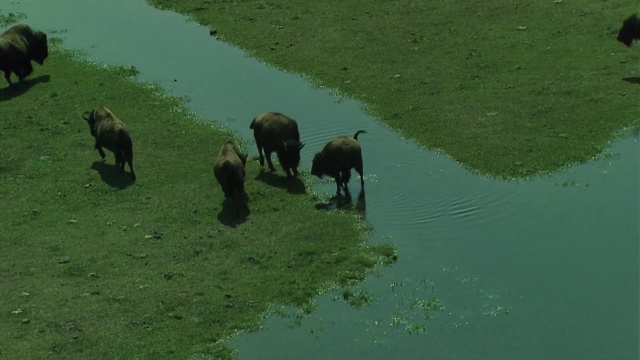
[542,268]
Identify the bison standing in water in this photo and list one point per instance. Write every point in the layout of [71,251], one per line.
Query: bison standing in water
[110,132]
[630,30]
[18,46]
[229,171]
[277,132]
[337,158]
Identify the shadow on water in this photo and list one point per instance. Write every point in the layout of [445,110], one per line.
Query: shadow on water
[111,175]
[514,264]
[293,185]
[231,214]
[21,87]
[632,79]
[346,203]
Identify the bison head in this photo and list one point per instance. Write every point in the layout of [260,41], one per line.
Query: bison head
[290,154]
[40,49]
[630,30]
[317,168]
[91,120]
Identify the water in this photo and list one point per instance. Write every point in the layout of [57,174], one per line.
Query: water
[543,268]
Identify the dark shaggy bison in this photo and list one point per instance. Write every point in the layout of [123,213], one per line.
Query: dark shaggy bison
[336,160]
[18,46]
[229,170]
[110,132]
[629,31]
[277,132]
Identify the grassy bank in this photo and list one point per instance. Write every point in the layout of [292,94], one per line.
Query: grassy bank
[507,88]
[93,267]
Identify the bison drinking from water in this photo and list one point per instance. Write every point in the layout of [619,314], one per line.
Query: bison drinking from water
[229,170]
[336,160]
[111,133]
[18,46]
[630,30]
[277,132]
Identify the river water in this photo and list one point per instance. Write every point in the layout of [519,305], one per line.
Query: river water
[545,268]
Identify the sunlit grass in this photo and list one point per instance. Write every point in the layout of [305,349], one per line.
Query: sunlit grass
[95,267]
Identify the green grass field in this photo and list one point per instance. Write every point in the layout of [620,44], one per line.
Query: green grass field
[94,267]
[507,88]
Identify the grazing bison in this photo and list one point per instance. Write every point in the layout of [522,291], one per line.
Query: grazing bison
[629,31]
[229,170]
[110,132]
[336,160]
[18,46]
[277,132]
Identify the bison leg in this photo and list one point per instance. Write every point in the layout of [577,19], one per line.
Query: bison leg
[346,190]
[119,161]
[100,151]
[130,162]
[25,70]
[268,154]
[361,173]
[339,184]
[288,171]
[7,75]
[346,176]
[260,153]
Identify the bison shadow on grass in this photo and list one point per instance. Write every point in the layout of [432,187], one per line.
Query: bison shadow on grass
[632,79]
[630,30]
[229,215]
[111,175]
[292,185]
[22,87]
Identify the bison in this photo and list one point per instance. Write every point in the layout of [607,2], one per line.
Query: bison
[277,132]
[229,171]
[18,46]
[336,160]
[629,31]
[110,132]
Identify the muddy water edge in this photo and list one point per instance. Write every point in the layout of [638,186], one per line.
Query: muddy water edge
[541,268]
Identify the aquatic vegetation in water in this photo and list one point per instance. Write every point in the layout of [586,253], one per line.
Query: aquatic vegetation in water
[356,299]
[126,71]
[428,305]
[497,310]
[11,18]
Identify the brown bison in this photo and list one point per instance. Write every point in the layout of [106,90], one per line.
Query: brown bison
[277,132]
[336,160]
[229,170]
[110,132]
[18,46]
[630,30]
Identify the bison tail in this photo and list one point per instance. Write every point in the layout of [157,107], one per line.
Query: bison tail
[253,122]
[355,136]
